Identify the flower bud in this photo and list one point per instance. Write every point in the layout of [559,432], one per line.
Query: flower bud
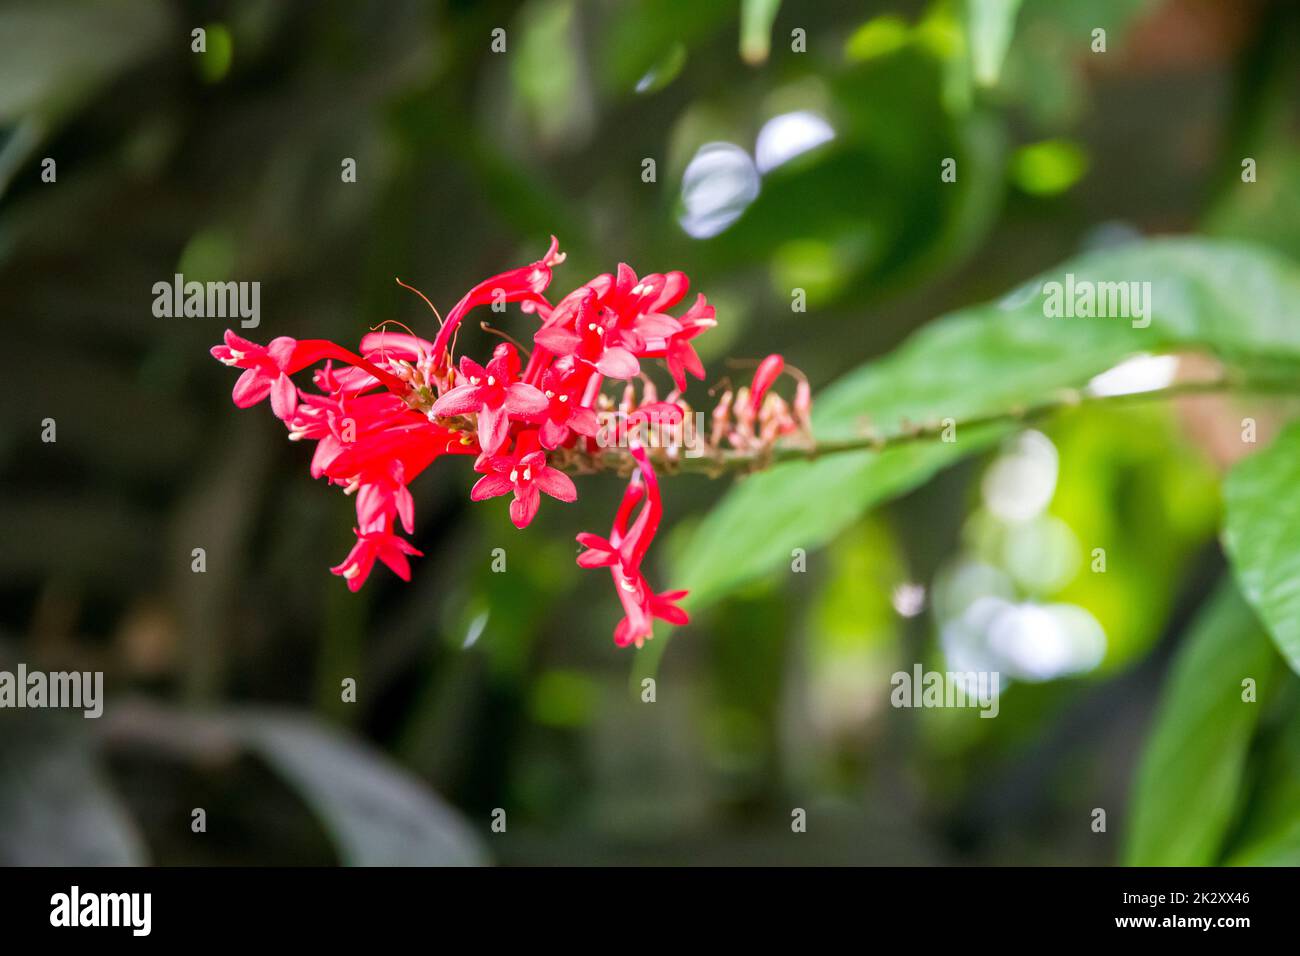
[768,371]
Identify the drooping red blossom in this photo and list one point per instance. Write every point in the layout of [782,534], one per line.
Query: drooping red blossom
[371,546]
[624,550]
[381,417]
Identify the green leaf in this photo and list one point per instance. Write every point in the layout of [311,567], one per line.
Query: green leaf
[1262,536]
[800,505]
[1189,782]
[1281,849]
[1233,299]
[1270,835]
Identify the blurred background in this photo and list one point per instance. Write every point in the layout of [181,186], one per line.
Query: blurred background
[796,145]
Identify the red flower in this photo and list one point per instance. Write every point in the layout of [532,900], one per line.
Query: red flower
[493,394]
[265,372]
[564,410]
[580,326]
[371,546]
[267,368]
[624,550]
[526,473]
[380,418]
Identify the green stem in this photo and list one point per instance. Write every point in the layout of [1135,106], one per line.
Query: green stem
[718,461]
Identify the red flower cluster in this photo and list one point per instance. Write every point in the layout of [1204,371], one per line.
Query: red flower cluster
[380,418]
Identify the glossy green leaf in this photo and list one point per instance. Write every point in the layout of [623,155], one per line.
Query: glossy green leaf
[1189,781]
[1262,536]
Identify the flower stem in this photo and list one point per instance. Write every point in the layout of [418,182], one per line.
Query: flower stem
[718,461]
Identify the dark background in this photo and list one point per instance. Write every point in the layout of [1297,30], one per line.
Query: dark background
[223,687]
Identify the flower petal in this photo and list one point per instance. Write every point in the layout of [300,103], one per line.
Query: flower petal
[596,559]
[552,434]
[618,363]
[525,400]
[405,507]
[555,483]
[284,397]
[251,388]
[657,326]
[398,345]
[396,562]
[460,400]
[489,486]
[584,422]
[492,427]
[524,508]
[663,607]
[557,340]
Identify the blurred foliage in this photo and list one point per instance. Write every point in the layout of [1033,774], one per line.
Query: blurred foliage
[1189,784]
[504,690]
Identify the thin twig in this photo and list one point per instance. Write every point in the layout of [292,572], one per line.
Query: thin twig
[717,461]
